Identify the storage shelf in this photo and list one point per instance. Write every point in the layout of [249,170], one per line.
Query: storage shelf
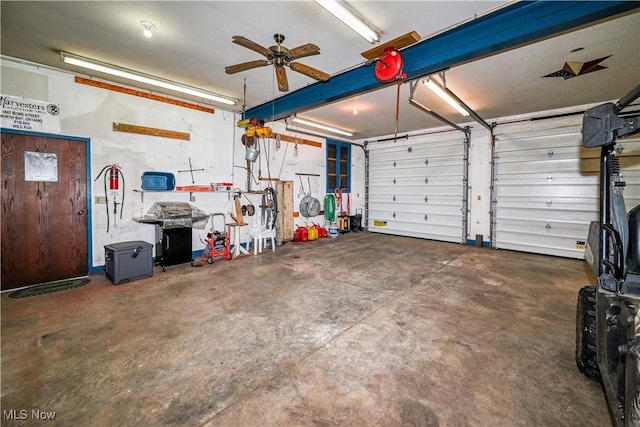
[141,191]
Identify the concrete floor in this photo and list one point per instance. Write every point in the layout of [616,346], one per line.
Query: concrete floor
[361,330]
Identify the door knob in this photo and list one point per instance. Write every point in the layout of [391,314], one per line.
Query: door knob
[80,212]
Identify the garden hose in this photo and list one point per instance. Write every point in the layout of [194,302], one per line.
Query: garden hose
[330,207]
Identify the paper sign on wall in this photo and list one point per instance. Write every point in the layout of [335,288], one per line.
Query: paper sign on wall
[30,115]
[41,167]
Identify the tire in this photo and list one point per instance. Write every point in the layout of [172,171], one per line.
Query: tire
[586,355]
[635,404]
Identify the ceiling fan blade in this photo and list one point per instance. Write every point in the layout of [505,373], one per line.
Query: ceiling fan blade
[309,71]
[304,50]
[243,41]
[281,76]
[232,69]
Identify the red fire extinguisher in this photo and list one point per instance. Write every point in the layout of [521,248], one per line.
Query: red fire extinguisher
[114,174]
[113,177]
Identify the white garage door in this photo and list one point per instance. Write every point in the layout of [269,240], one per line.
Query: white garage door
[418,187]
[546,190]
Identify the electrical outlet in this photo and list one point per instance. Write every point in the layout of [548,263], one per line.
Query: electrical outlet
[101,200]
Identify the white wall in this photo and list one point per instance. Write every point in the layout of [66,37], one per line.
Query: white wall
[284,164]
[214,145]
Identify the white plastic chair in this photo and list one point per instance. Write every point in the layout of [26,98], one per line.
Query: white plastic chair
[259,234]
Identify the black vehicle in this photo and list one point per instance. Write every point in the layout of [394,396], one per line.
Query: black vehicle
[608,314]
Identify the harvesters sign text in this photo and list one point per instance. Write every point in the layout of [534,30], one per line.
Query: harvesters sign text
[30,115]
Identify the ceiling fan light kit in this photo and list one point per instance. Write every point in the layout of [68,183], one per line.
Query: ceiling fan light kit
[114,70]
[357,24]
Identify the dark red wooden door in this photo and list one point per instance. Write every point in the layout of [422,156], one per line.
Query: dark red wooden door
[44,222]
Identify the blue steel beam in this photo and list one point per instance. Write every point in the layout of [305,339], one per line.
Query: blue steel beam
[506,28]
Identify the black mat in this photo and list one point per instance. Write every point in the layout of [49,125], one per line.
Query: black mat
[47,288]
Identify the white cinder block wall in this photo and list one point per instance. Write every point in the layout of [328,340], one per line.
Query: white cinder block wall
[214,145]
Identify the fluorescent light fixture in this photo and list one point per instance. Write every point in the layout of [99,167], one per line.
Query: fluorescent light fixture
[321,126]
[102,67]
[442,93]
[339,10]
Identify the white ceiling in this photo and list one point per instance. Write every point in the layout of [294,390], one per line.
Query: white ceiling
[192,45]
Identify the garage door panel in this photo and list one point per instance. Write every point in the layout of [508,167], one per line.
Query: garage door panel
[417,213]
[555,166]
[547,152]
[416,164]
[418,188]
[416,199]
[549,191]
[546,190]
[414,160]
[562,204]
[435,231]
[432,181]
[433,172]
[630,148]
[546,237]
[449,217]
[417,150]
[630,166]
[531,141]
[549,214]
[567,193]
[419,196]
[418,180]
[443,234]
[545,179]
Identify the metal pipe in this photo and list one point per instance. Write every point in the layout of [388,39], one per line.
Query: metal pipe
[434,114]
[628,98]
[465,186]
[493,194]
[468,109]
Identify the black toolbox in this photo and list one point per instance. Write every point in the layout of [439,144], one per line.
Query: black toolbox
[128,261]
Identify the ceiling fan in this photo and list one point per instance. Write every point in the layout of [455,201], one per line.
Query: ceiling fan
[279,56]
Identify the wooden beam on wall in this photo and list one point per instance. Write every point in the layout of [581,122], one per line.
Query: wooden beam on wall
[302,141]
[134,92]
[143,130]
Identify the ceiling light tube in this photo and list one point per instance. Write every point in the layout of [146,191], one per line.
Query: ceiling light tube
[346,16]
[321,126]
[102,67]
[442,93]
